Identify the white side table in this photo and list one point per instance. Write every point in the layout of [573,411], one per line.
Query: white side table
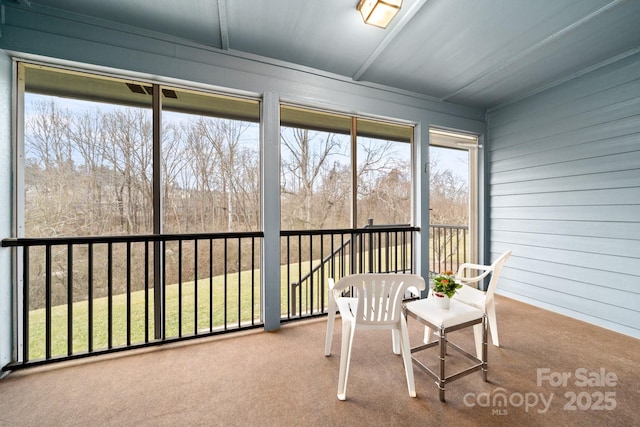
[458,316]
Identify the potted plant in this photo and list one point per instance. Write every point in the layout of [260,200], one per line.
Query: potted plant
[444,288]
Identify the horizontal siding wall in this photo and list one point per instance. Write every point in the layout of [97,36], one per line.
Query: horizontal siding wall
[564,187]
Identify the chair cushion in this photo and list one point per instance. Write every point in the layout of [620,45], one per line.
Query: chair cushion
[457,313]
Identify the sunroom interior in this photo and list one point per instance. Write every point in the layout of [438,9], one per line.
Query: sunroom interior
[215,100]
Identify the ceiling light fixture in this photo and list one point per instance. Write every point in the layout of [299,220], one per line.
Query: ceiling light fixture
[379,12]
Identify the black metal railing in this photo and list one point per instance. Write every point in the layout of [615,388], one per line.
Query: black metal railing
[448,247]
[84,296]
[311,257]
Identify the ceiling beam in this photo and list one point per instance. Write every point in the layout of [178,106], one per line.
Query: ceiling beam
[550,39]
[224,28]
[393,32]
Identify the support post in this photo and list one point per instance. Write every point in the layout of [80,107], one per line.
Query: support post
[270,206]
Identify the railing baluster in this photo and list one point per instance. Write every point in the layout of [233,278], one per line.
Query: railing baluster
[195,286]
[310,286]
[450,256]
[387,252]
[440,233]
[225,284]
[210,285]
[400,247]
[163,316]
[110,295]
[404,251]
[299,302]
[25,304]
[342,273]
[439,266]
[239,283]
[332,262]
[321,278]
[128,293]
[47,290]
[378,238]
[457,251]
[180,288]
[357,248]
[253,272]
[90,298]
[69,299]
[412,259]
[290,290]
[390,247]
[146,292]
[464,244]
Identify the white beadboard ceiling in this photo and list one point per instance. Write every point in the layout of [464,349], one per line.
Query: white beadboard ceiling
[482,53]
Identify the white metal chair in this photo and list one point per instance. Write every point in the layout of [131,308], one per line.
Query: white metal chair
[376,304]
[483,300]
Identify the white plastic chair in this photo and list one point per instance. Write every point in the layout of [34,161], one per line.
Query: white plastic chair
[377,304]
[483,300]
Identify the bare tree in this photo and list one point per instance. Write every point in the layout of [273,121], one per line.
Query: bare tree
[390,198]
[51,169]
[384,183]
[89,141]
[305,161]
[449,202]
[449,195]
[130,152]
[180,185]
[231,154]
[228,168]
[335,195]
[90,173]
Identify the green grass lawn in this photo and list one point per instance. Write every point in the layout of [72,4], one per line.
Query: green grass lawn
[237,300]
[230,308]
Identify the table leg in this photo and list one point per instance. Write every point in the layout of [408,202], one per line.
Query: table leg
[443,352]
[484,348]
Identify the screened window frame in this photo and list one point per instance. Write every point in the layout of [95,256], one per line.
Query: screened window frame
[410,129]
[155,103]
[460,140]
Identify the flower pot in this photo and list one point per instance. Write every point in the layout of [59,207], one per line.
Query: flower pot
[441,300]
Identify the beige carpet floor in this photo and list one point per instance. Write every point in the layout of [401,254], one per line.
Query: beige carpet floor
[549,370]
